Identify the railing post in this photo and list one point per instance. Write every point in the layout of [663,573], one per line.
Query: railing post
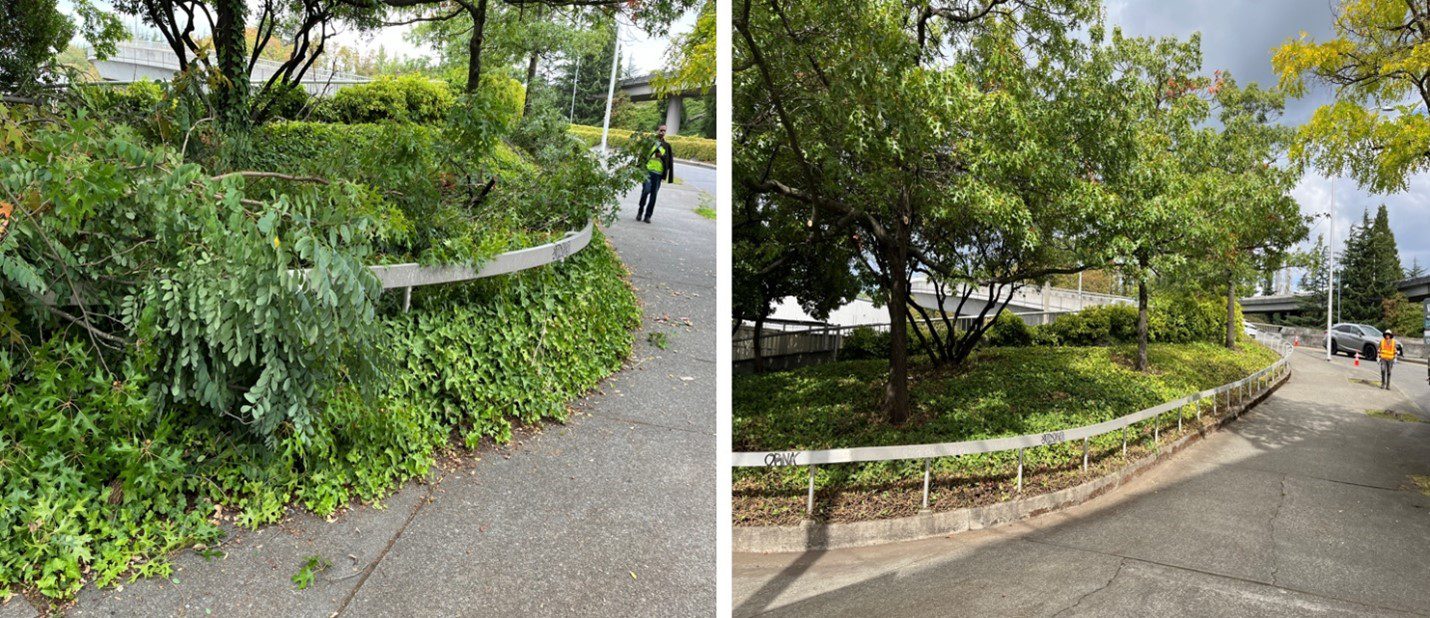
[1020,470]
[406,299]
[809,507]
[1156,432]
[1180,413]
[926,485]
[1124,443]
[1084,455]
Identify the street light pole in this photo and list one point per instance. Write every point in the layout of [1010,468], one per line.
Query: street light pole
[1330,270]
[575,79]
[611,90]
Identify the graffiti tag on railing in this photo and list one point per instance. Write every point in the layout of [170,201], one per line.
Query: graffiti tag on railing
[560,250]
[1054,437]
[782,459]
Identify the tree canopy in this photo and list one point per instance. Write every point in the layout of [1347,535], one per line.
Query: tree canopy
[1378,129]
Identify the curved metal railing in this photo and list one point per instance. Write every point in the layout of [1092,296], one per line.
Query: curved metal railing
[411,275]
[1246,388]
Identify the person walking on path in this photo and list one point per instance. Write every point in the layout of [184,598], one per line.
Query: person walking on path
[1387,358]
[660,166]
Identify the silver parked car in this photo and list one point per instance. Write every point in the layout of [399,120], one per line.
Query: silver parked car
[1351,338]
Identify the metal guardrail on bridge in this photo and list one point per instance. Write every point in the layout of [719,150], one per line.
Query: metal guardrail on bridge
[1246,388]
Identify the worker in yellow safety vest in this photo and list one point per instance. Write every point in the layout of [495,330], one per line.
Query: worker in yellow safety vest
[660,166]
[1387,358]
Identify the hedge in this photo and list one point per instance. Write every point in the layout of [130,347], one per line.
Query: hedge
[693,148]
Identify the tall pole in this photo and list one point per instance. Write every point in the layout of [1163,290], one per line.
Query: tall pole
[611,90]
[1330,269]
[575,78]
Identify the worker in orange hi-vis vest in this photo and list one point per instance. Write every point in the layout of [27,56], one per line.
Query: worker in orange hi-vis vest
[1387,358]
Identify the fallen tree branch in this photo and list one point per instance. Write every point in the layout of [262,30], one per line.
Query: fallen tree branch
[275,175]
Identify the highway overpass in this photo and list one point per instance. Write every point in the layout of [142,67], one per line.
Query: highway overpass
[1281,305]
[639,89]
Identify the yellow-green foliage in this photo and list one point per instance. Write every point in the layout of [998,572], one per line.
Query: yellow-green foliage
[1373,63]
[410,98]
[693,148]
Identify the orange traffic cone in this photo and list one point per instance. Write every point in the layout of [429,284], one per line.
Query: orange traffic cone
[1297,342]
[1357,359]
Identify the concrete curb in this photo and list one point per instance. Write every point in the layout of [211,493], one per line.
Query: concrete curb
[695,163]
[810,535]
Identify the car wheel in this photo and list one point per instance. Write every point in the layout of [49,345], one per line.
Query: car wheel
[1369,352]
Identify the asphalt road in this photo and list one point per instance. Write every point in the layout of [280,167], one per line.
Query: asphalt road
[1301,507]
[612,513]
[697,176]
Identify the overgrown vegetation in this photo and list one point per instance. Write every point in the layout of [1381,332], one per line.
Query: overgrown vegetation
[189,333]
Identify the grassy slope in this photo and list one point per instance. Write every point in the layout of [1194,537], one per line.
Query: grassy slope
[1002,392]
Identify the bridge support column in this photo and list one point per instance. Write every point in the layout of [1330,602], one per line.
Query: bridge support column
[675,109]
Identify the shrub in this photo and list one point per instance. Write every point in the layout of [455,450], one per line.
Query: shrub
[129,103]
[1008,330]
[1099,325]
[282,103]
[408,98]
[865,342]
[1183,318]
[692,148]
[1170,319]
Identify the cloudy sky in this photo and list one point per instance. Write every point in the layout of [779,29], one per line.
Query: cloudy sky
[1239,37]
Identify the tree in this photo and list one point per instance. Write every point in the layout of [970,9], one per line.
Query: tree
[301,26]
[588,70]
[690,62]
[1371,268]
[34,32]
[1158,220]
[523,28]
[945,145]
[1311,303]
[1248,219]
[1415,270]
[1377,63]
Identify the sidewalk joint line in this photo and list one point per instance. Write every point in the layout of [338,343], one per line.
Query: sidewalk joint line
[1222,576]
[426,497]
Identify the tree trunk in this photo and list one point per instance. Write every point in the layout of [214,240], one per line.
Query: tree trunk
[759,348]
[1230,312]
[474,46]
[530,83]
[896,394]
[1141,362]
[231,51]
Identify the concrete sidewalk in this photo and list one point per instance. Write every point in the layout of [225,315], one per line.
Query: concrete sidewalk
[610,514]
[1303,506]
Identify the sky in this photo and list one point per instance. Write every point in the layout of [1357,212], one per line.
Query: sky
[1239,37]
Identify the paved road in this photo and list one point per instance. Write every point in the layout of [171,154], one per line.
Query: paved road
[610,514]
[697,176]
[1300,508]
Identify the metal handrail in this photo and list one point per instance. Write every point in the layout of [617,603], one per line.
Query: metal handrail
[411,275]
[1250,386]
